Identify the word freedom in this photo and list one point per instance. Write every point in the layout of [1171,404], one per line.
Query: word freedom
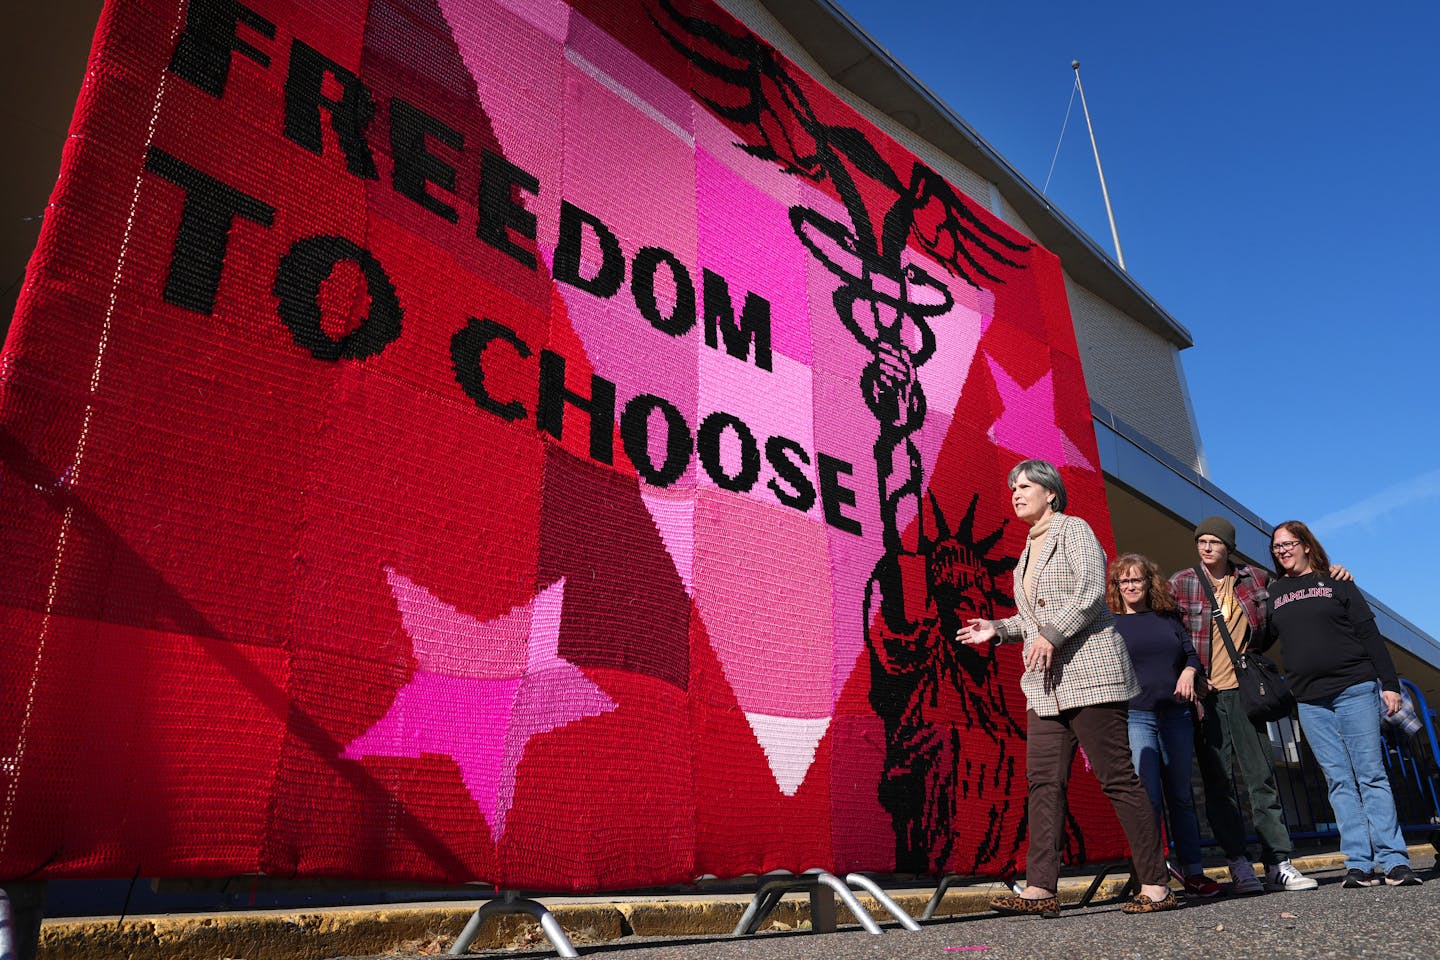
[216,31]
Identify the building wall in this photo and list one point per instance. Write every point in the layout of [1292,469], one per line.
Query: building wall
[1134,372]
[755,16]
[758,19]
[1010,216]
[1129,368]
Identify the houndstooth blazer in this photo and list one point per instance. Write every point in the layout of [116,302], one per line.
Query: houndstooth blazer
[1091,664]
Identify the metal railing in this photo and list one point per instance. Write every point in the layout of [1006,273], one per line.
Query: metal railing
[1412,761]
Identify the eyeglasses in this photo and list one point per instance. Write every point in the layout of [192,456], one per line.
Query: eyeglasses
[1131,581]
[1212,544]
[1284,546]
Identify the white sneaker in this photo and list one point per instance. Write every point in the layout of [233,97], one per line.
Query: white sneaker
[1284,876]
[1242,878]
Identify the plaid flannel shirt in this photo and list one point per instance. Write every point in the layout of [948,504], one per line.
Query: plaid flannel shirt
[1406,720]
[1250,590]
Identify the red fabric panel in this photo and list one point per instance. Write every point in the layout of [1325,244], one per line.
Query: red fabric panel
[298,578]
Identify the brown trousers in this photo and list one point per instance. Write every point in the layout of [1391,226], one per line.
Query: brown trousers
[1050,748]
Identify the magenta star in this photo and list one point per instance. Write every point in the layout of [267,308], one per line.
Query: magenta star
[480,691]
[1027,424]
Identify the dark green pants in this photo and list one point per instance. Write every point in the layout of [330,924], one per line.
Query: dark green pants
[1224,734]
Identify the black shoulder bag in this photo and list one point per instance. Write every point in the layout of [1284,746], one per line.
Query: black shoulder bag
[1263,691]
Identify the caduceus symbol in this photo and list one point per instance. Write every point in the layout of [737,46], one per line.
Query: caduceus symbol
[887,305]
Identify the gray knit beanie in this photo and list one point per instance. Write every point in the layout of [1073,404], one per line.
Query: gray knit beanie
[1219,528]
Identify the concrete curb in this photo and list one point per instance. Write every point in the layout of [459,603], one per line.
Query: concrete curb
[352,931]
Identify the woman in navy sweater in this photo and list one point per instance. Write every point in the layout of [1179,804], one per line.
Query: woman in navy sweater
[1161,725]
[1342,675]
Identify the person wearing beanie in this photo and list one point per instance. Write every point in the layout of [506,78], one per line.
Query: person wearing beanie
[1219,528]
[1225,731]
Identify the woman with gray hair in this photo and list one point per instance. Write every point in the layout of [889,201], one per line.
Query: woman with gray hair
[1078,683]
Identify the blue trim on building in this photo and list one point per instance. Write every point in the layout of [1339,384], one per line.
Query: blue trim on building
[1129,457]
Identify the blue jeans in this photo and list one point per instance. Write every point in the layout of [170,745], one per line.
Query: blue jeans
[1162,743]
[1343,731]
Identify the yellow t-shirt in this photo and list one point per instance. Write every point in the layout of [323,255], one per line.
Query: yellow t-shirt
[1222,670]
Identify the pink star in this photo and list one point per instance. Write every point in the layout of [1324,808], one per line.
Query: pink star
[1027,424]
[480,691]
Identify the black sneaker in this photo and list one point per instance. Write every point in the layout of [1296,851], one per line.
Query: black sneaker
[1402,876]
[1361,878]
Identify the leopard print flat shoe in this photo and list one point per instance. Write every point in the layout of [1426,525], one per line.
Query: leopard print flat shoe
[1047,907]
[1143,904]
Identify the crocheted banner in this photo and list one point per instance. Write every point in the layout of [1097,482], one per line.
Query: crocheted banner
[545,443]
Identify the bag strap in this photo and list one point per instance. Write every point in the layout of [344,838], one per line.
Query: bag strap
[1216,616]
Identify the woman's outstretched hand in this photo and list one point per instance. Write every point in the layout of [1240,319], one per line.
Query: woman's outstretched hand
[976,632]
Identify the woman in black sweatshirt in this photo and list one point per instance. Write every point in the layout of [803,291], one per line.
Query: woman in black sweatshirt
[1341,673]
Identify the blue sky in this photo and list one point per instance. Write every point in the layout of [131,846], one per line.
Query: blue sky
[1273,169]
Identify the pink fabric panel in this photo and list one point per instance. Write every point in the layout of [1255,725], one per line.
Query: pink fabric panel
[613,330]
[444,640]
[772,633]
[525,101]
[838,404]
[718,140]
[1028,424]
[957,334]
[851,562]
[624,69]
[930,438]
[833,349]
[632,173]
[551,16]
[745,236]
[771,403]
[674,514]
[638,178]
[465,720]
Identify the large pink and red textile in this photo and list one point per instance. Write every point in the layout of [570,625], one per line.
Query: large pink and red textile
[537,442]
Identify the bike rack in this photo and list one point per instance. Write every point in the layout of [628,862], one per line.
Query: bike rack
[881,897]
[823,888]
[1131,885]
[952,879]
[511,902]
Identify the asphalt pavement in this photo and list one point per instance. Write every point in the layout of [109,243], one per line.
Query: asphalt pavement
[1393,923]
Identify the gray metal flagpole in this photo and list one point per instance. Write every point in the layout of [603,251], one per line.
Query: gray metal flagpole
[1114,234]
